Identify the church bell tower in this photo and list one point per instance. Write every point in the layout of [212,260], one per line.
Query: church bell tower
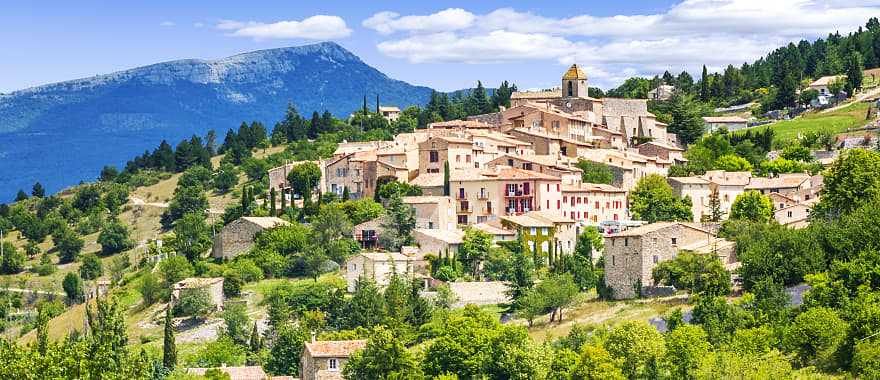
[574,83]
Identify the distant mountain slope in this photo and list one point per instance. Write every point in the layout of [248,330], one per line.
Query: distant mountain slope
[62,133]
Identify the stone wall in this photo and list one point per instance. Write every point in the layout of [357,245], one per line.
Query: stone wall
[235,238]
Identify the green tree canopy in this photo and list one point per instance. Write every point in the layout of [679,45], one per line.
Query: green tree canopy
[652,201]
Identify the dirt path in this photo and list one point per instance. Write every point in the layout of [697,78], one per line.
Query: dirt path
[140,202]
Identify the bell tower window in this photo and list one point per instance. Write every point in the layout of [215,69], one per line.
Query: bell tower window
[570,89]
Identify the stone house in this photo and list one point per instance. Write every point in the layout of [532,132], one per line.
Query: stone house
[278,177]
[784,183]
[367,233]
[592,203]
[661,92]
[558,166]
[796,215]
[631,255]
[660,150]
[728,185]
[436,242]
[238,237]
[390,113]
[482,195]
[822,83]
[433,212]
[213,285]
[700,192]
[437,150]
[548,119]
[430,183]
[379,267]
[324,360]
[731,123]
[546,143]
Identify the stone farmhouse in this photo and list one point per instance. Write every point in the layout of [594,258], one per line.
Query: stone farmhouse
[238,237]
[631,255]
[390,113]
[324,360]
[212,285]
[378,267]
[730,123]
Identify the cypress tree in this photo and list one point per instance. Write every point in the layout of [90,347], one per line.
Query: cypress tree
[365,105]
[256,343]
[272,201]
[377,103]
[283,201]
[346,195]
[704,85]
[446,178]
[169,350]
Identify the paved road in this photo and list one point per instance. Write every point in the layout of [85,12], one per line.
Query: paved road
[859,98]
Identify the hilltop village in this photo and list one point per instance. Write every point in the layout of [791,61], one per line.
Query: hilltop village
[518,173]
[534,235]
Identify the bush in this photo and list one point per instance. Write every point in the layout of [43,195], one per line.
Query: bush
[247,270]
[193,303]
[91,267]
[114,238]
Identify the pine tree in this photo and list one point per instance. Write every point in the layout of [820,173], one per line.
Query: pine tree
[38,191]
[169,350]
[21,196]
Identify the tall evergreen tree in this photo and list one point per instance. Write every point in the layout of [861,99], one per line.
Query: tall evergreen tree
[38,191]
[704,85]
[169,348]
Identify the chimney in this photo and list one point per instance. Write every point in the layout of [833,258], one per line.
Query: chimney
[314,337]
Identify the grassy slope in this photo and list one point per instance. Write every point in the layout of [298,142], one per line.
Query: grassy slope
[144,224]
[837,122]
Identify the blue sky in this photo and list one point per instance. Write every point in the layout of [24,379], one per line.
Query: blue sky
[446,45]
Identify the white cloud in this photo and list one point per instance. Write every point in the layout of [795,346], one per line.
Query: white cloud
[446,20]
[687,35]
[493,47]
[167,23]
[319,27]
[199,25]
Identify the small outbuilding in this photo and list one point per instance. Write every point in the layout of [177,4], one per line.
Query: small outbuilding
[238,236]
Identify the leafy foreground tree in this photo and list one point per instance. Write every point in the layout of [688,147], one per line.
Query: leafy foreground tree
[384,357]
[700,274]
[753,206]
[652,201]
[101,354]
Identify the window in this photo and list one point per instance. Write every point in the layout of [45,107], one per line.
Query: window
[433,156]
[462,219]
[527,166]
[613,260]
[570,89]
[433,170]
[789,214]
[332,364]
[533,231]
[545,246]
[626,242]
[430,225]
[656,259]
[545,231]
[457,158]
[548,204]
[467,158]
[558,204]
[558,187]
[674,241]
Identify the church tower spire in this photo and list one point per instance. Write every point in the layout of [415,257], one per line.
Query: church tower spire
[574,83]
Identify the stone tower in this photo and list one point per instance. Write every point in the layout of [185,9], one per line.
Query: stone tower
[574,83]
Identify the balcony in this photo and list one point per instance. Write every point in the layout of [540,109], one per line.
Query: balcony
[460,196]
[483,196]
[464,208]
[518,193]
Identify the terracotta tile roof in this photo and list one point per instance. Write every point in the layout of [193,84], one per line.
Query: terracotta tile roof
[459,124]
[421,199]
[689,180]
[723,178]
[526,220]
[446,236]
[334,348]
[197,282]
[235,373]
[364,156]
[428,180]
[777,182]
[493,228]
[648,228]
[662,145]
[514,173]
[555,93]
[591,187]
[266,222]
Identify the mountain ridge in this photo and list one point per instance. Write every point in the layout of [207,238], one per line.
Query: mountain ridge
[75,127]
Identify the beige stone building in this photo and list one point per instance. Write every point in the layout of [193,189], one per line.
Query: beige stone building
[324,360]
[730,123]
[390,113]
[555,165]
[378,267]
[213,286]
[235,373]
[433,212]
[278,177]
[631,255]
[437,150]
[728,185]
[795,215]
[238,237]
[435,242]
[783,183]
[484,195]
[700,192]
[591,203]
